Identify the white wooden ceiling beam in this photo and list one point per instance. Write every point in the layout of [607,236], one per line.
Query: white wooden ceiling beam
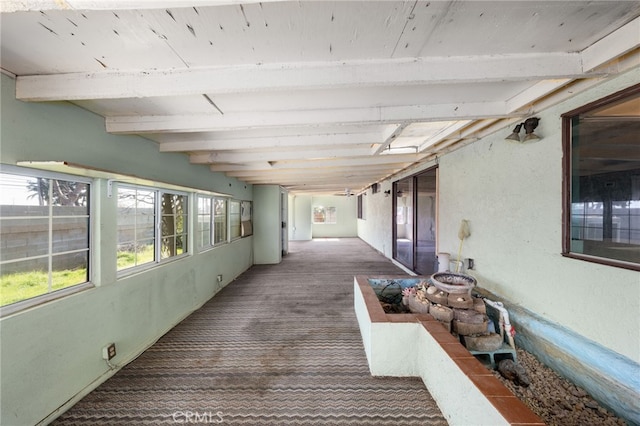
[7,6]
[328,188]
[402,159]
[353,180]
[335,139]
[294,76]
[273,155]
[445,133]
[311,170]
[524,100]
[303,166]
[304,175]
[614,45]
[253,120]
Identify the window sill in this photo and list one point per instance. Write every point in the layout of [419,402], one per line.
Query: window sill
[603,261]
[45,298]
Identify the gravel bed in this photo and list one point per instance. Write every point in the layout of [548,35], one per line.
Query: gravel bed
[557,401]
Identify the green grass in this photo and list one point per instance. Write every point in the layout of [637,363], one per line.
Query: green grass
[127,259]
[25,285]
[19,286]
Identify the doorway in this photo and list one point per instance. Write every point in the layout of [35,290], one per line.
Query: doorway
[414,223]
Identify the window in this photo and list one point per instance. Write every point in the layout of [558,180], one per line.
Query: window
[152,226]
[601,143]
[234,219]
[204,222]
[136,227]
[44,232]
[174,225]
[325,215]
[245,218]
[361,206]
[219,220]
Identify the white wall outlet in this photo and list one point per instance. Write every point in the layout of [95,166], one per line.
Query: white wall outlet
[109,351]
[219,278]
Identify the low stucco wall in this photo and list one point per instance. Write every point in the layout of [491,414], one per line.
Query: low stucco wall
[417,345]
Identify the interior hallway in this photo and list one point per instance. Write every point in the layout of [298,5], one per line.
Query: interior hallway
[280,345]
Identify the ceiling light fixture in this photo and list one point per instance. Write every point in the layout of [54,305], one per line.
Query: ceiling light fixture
[530,125]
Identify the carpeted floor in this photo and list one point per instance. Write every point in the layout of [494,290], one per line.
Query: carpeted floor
[278,346]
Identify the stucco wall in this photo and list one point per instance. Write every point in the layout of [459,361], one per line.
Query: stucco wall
[511,195]
[375,228]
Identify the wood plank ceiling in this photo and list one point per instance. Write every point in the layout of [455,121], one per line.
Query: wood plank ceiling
[319,97]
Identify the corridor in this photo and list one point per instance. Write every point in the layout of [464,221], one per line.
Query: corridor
[278,346]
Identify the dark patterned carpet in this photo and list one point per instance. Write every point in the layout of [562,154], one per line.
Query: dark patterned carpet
[278,346]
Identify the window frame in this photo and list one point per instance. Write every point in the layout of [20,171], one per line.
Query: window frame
[51,295]
[326,215]
[361,206]
[158,236]
[200,247]
[246,218]
[213,199]
[567,119]
[231,226]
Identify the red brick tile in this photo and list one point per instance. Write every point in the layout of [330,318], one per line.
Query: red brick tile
[435,327]
[456,350]
[473,367]
[514,410]
[490,385]
[425,317]
[401,318]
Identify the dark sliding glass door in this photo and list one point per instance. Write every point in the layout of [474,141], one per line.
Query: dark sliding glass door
[414,224]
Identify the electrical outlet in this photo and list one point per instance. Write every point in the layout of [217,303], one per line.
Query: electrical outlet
[109,351]
[219,278]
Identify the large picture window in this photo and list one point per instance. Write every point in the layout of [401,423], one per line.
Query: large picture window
[152,226]
[602,180]
[44,232]
[325,215]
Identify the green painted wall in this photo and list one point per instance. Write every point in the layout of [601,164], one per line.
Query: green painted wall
[347,222]
[267,229]
[52,353]
[300,217]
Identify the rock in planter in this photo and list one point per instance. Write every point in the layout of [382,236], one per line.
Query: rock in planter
[418,307]
[469,316]
[462,301]
[468,329]
[488,343]
[513,371]
[437,296]
[478,305]
[441,313]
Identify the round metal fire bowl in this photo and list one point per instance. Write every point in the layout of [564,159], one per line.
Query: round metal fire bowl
[452,282]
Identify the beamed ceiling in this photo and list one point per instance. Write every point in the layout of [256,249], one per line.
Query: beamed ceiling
[316,96]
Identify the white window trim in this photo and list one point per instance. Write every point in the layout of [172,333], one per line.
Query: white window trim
[93,211]
[157,242]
